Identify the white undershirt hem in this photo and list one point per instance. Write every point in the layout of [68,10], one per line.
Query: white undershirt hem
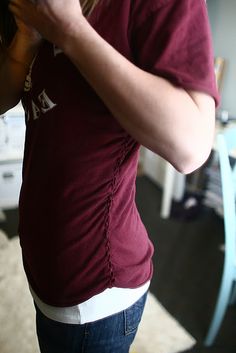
[104,304]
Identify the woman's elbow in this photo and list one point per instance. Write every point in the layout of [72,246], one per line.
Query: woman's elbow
[191,160]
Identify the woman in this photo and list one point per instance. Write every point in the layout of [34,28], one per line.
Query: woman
[97,79]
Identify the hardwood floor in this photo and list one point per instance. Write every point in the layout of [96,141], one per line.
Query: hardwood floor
[188,264]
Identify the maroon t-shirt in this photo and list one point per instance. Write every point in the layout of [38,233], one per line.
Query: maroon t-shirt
[80,230]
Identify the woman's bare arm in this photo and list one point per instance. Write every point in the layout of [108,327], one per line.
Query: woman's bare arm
[14,66]
[173,122]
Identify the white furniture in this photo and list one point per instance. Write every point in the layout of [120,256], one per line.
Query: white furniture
[174,182]
[12,135]
[163,173]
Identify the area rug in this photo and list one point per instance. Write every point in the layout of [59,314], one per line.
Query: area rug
[159,332]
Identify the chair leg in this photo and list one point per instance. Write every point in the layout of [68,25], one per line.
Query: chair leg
[168,186]
[233,296]
[220,309]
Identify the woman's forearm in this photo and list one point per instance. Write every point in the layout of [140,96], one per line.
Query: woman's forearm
[173,122]
[176,124]
[14,66]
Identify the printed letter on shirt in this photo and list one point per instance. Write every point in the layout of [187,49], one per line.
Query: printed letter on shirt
[56,50]
[45,101]
[36,111]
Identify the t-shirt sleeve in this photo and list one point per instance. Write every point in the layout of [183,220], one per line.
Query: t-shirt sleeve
[172,39]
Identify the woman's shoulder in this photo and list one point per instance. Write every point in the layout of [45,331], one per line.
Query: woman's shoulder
[150,5]
[141,9]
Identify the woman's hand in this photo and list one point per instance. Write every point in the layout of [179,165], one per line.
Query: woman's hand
[27,32]
[50,18]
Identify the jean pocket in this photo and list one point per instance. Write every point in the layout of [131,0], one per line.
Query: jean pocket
[133,315]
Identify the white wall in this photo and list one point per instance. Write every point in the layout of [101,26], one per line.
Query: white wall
[222,15]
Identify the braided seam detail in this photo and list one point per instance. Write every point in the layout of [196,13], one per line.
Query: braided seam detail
[109,206]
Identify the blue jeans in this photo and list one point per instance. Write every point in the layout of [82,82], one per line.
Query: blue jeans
[113,334]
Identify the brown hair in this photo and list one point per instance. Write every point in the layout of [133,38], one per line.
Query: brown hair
[88,6]
[8,26]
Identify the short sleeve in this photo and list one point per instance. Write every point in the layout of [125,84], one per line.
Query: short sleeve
[172,39]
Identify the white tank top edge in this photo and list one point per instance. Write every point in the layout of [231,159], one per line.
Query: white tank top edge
[109,302]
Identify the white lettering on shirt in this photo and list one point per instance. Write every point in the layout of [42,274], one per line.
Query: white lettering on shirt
[35,110]
[43,105]
[56,50]
[45,102]
[28,80]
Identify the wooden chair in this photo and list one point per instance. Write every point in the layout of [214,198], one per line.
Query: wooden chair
[226,142]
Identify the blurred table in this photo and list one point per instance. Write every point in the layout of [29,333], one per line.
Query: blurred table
[12,136]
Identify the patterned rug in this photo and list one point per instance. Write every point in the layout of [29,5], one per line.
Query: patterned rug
[159,332]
